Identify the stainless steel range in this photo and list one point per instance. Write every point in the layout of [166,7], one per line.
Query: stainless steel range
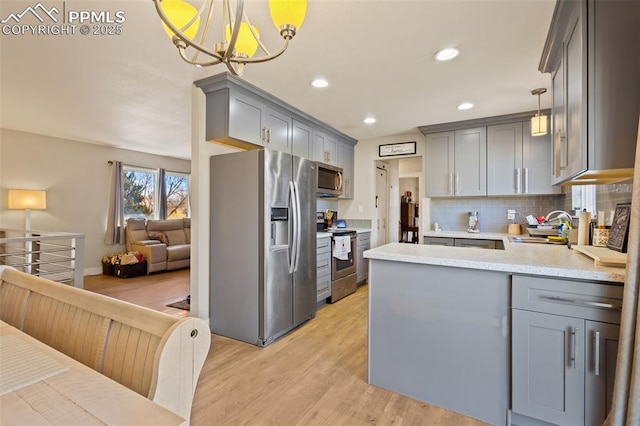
[343,263]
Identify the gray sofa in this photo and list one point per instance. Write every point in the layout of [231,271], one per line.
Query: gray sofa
[165,244]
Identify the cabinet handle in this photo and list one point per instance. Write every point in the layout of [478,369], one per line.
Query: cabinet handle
[556,157]
[450,183]
[596,355]
[526,180]
[586,303]
[518,179]
[457,188]
[572,335]
[268,135]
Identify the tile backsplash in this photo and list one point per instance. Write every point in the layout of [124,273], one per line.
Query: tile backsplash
[452,214]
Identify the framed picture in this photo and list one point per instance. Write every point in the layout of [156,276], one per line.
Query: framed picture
[390,149]
[619,233]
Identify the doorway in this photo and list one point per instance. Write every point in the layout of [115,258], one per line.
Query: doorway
[381,204]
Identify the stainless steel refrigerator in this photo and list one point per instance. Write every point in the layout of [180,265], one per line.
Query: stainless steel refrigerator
[263,244]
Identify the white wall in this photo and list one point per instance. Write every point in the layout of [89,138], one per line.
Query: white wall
[201,151]
[76,178]
[366,154]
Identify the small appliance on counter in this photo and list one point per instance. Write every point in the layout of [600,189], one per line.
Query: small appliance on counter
[341,223]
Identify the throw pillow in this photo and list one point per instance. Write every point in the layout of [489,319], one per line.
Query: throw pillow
[160,236]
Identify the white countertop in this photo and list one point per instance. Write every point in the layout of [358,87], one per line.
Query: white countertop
[320,234]
[518,258]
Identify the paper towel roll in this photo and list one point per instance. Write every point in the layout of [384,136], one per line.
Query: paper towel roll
[583,228]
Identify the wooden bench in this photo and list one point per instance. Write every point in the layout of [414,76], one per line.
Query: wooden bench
[152,353]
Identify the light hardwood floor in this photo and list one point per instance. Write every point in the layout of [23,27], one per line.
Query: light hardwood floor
[315,375]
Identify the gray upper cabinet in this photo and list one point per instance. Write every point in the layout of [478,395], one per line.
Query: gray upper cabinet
[242,115]
[325,148]
[345,160]
[456,163]
[518,163]
[301,139]
[278,131]
[592,55]
[246,118]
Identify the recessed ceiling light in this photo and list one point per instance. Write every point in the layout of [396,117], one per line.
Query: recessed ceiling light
[369,120]
[446,54]
[465,105]
[319,82]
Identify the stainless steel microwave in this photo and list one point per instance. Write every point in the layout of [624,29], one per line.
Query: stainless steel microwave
[329,180]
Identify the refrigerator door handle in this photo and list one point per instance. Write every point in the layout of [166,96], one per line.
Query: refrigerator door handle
[293,242]
[297,225]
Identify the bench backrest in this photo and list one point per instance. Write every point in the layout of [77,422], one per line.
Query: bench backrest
[152,353]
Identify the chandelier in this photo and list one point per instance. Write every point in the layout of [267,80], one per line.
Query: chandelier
[208,36]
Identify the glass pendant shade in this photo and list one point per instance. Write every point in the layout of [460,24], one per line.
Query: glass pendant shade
[539,125]
[288,12]
[246,43]
[180,13]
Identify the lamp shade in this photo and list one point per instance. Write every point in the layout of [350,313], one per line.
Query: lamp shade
[23,199]
[539,125]
[180,13]
[288,12]
[246,43]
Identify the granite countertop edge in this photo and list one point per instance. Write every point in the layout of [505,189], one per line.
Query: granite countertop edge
[530,259]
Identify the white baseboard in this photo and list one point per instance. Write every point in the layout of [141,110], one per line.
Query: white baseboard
[93,271]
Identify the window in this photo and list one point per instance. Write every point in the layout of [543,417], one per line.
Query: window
[139,192]
[142,197]
[583,197]
[176,186]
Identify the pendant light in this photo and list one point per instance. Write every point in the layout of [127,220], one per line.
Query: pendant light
[539,121]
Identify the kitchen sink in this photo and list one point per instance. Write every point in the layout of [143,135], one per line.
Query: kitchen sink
[533,240]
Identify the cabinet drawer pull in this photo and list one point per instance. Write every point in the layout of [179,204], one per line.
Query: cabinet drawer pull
[572,335]
[585,303]
[596,355]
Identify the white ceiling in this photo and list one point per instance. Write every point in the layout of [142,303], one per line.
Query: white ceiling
[133,91]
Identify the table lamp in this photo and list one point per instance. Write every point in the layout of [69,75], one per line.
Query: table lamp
[27,200]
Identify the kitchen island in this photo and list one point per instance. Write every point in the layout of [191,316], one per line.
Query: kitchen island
[440,318]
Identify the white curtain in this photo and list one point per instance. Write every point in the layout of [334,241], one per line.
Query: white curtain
[115,214]
[625,409]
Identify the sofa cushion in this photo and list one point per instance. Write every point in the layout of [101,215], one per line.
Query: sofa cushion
[176,236]
[178,252]
[136,230]
[187,228]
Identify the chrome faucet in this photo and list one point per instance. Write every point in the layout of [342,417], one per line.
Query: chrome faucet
[559,214]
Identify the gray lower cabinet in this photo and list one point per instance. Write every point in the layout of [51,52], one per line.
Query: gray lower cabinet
[463,242]
[439,241]
[323,264]
[564,348]
[362,265]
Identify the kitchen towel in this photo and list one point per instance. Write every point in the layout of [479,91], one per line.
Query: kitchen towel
[341,247]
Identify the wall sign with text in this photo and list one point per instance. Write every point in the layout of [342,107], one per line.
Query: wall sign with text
[404,148]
